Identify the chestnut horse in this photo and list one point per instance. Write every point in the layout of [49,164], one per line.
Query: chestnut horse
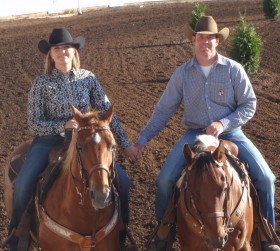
[215,210]
[81,208]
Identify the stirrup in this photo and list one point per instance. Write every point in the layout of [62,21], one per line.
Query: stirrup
[128,247]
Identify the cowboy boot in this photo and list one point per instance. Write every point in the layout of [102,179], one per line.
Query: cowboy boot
[157,245]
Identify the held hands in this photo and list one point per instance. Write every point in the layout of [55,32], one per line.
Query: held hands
[214,129]
[133,153]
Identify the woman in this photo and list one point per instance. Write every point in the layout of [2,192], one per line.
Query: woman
[49,115]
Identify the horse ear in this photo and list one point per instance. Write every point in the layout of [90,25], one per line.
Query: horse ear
[76,113]
[188,154]
[109,114]
[219,153]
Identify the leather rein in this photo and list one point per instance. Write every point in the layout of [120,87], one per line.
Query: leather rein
[194,218]
[86,243]
[85,175]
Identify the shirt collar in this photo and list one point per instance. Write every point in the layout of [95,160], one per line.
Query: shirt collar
[220,60]
[58,75]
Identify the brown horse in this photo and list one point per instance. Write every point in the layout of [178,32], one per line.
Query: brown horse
[215,210]
[80,211]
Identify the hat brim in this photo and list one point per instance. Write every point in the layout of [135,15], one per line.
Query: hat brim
[222,34]
[44,46]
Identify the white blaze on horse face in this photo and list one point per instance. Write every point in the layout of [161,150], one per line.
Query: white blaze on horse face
[96,138]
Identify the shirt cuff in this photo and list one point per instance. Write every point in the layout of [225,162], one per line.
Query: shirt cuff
[225,123]
[142,140]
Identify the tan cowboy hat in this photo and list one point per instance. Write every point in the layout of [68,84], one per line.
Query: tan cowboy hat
[207,25]
[60,36]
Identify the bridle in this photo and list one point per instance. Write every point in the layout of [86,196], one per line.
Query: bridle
[86,242]
[85,175]
[200,216]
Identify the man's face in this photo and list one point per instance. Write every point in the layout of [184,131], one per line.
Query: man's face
[205,45]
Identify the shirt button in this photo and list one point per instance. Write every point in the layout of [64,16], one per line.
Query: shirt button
[209,107]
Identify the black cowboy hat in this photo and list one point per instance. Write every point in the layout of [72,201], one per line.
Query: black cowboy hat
[60,36]
[207,25]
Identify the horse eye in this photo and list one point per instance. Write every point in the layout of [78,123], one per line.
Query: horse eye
[196,195]
[79,147]
[113,148]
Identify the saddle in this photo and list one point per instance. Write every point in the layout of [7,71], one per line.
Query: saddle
[262,231]
[47,177]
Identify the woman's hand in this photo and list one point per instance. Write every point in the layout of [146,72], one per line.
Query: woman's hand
[140,149]
[131,153]
[71,124]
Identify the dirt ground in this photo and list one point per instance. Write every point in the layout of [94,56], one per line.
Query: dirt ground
[133,52]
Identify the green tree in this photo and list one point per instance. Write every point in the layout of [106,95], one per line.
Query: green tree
[198,10]
[246,46]
[271,8]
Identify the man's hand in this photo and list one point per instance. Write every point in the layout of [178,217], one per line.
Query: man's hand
[214,129]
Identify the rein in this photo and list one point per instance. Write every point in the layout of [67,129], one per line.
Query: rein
[86,243]
[194,218]
[85,175]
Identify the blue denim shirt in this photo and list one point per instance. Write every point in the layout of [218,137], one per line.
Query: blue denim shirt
[226,95]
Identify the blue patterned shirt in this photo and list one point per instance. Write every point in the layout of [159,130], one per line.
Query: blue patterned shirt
[226,95]
[50,95]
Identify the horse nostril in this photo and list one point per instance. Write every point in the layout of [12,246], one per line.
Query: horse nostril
[226,237]
[224,240]
[107,189]
[102,198]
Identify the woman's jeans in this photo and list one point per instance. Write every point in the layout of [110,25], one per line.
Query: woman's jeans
[35,162]
[125,184]
[259,171]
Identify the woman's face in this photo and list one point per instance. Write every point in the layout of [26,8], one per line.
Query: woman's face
[62,55]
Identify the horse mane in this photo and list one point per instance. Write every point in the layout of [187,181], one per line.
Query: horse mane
[90,118]
[70,151]
[203,142]
[203,162]
[203,167]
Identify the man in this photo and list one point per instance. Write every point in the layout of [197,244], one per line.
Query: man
[218,99]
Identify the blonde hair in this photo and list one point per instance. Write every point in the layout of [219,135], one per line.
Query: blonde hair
[50,65]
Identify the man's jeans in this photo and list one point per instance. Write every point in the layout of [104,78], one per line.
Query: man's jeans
[259,171]
[35,162]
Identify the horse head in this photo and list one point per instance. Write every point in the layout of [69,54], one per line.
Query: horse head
[208,179]
[91,156]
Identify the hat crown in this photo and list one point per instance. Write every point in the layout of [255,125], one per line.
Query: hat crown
[206,24]
[60,35]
